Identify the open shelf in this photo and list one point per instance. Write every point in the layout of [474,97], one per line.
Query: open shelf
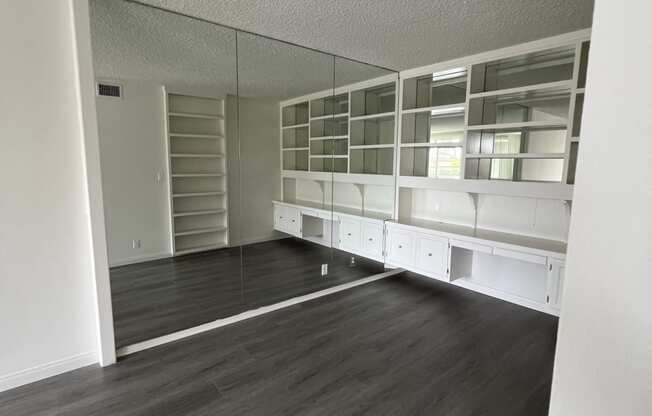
[295,115]
[373,101]
[197,172]
[533,68]
[197,194]
[197,155]
[531,125]
[329,106]
[443,88]
[196,175]
[196,115]
[200,231]
[203,212]
[200,248]
[547,105]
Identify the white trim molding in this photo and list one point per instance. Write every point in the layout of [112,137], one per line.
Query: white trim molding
[140,259]
[43,371]
[79,11]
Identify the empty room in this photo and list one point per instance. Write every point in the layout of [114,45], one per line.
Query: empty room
[326,208]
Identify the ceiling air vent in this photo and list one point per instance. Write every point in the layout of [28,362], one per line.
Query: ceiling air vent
[109,90]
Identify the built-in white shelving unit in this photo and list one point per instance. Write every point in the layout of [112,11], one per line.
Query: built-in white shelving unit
[197,165]
[478,156]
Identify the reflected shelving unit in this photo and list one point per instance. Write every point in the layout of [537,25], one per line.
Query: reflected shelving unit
[197,164]
[338,148]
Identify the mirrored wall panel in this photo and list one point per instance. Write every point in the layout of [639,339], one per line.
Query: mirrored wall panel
[169,165]
[238,171]
[283,244]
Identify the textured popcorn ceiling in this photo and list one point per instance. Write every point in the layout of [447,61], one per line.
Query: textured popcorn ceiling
[397,34]
[131,41]
[135,41]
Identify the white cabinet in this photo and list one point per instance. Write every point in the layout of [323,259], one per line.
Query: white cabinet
[432,256]
[556,272]
[350,233]
[400,247]
[372,240]
[287,219]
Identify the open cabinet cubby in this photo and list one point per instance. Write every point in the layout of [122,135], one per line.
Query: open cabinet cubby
[436,89]
[295,115]
[329,127]
[372,131]
[373,100]
[529,69]
[329,106]
[197,163]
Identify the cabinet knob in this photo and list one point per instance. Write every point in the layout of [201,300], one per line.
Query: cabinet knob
[348,233]
[293,220]
[400,246]
[280,217]
[429,254]
[371,239]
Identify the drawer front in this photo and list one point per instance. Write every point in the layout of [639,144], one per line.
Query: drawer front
[350,234]
[519,255]
[400,247]
[472,246]
[372,240]
[432,255]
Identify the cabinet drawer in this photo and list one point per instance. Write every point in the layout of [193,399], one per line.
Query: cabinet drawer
[519,255]
[372,240]
[472,246]
[432,255]
[350,234]
[400,248]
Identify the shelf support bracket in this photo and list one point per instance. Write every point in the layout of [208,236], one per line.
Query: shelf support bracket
[361,189]
[474,198]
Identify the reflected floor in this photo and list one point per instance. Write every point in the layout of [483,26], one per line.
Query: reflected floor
[159,297]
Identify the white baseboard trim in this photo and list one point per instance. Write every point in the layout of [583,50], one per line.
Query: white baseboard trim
[155,342]
[43,371]
[140,259]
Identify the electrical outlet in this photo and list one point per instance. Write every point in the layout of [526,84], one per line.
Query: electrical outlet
[324,269]
[135,243]
[158,177]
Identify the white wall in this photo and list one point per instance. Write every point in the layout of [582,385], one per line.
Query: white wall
[47,305]
[132,151]
[254,168]
[604,352]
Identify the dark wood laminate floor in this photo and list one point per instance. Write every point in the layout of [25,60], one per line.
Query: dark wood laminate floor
[405,345]
[159,297]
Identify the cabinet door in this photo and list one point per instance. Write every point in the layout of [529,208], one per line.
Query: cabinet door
[432,256]
[293,218]
[556,272]
[350,235]
[372,240]
[286,219]
[400,247]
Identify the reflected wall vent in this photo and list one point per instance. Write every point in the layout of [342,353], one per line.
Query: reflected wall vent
[109,90]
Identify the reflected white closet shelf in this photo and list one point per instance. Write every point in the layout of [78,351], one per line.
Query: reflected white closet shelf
[197,136]
[197,115]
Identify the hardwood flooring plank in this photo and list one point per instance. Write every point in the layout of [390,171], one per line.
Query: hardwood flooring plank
[405,345]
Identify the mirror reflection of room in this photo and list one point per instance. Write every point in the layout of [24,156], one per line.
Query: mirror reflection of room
[232,176]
